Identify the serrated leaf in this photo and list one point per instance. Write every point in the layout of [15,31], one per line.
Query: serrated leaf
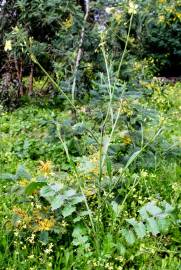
[57,202]
[163,224]
[22,173]
[7,176]
[143,213]
[139,227]
[115,207]
[69,193]
[153,226]
[47,192]
[81,240]
[152,209]
[68,210]
[34,186]
[57,187]
[44,237]
[140,230]
[129,236]
[77,199]
[168,208]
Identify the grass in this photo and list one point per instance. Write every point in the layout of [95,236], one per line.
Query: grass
[87,234]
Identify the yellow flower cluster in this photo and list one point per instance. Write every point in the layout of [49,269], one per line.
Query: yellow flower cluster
[45,224]
[68,22]
[45,167]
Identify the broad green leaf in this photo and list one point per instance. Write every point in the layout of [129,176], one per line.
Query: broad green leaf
[152,209]
[163,224]
[34,186]
[57,187]
[143,213]
[115,207]
[69,193]
[81,240]
[153,226]
[129,236]
[139,227]
[167,207]
[21,173]
[7,176]
[47,192]
[57,202]
[77,199]
[68,210]
[44,237]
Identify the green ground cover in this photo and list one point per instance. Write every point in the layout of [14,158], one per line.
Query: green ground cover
[60,211]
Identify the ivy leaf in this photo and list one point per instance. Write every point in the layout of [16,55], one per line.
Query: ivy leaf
[57,202]
[68,210]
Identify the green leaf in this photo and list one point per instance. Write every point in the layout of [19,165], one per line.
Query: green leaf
[77,199]
[129,236]
[115,207]
[143,213]
[153,209]
[44,237]
[109,167]
[47,192]
[57,187]
[79,235]
[21,173]
[68,210]
[57,202]
[8,176]
[153,226]
[33,186]
[163,224]
[132,158]
[69,193]
[139,227]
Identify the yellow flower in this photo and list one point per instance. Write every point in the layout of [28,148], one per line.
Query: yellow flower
[8,45]
[21,213]
[45,224]
[45,167]
[68,22]
[132,9]
[127,139]
[23,182]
